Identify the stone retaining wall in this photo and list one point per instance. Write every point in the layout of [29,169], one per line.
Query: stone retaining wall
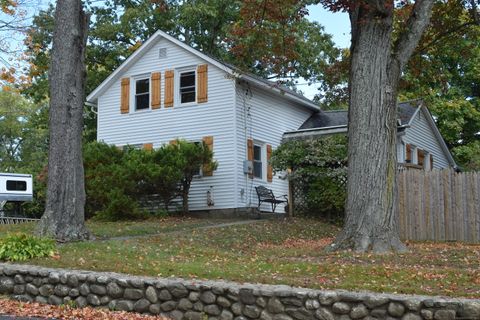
[198,300]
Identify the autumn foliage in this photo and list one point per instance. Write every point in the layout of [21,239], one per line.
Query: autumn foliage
[269,29]
[67,312]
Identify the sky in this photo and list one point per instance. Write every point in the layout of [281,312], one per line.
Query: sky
[337,24]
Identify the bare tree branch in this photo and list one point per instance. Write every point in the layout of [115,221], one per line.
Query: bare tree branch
[409,38]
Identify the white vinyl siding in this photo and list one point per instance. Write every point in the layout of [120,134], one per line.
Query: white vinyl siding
[192,122]
[421,135]
[262,116]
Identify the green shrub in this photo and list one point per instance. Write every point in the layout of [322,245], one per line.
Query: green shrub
[189,157]
[116,179]
[21,247]
[119,206]
[112,182]
[318,169]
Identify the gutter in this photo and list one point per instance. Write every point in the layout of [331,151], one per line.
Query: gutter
[92,106]
[314,132]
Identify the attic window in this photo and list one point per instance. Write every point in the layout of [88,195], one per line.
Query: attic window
[162,53]
[142,94]
[187,86]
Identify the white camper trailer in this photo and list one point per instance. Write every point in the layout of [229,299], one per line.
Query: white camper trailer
[15,187]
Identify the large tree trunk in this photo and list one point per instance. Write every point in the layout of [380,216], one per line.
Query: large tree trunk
[64,217]
[374,75]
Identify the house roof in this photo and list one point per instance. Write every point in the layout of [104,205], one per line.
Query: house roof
[234,71]
[324,119]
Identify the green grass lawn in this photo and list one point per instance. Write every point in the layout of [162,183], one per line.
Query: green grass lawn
[103,230]
[277,252]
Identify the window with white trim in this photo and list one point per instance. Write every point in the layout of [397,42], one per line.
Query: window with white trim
[187,87]
[414,155]
[142,94]
[258,162]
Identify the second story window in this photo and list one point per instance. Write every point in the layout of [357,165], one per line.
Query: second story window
[187,87]
[142,94]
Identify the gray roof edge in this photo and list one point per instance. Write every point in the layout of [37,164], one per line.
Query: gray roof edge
[316,129]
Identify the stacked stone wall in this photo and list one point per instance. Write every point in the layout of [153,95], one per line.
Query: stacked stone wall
[197,300]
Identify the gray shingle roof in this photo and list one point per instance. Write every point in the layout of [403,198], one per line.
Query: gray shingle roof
[324,119]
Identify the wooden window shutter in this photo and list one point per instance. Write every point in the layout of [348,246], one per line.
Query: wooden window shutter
[148,146]
[125,96]
[420,157]
[173,142]
[169,75]
[408,156]
[202,90]
[269,167]
[156,80]
[206,169]
[250,154]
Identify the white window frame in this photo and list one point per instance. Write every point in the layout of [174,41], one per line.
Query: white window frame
[133,89]
[263,159]
[178,73]
[426,161]
[414,154]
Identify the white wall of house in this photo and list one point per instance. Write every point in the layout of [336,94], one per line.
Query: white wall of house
[264,117]
[421,135]
[191,122]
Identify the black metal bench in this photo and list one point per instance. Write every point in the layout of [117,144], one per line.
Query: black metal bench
[266,195]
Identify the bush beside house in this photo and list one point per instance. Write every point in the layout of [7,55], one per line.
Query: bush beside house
[117,179]
[317,171]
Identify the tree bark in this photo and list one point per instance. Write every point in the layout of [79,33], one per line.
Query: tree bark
[375,72]
[64,217]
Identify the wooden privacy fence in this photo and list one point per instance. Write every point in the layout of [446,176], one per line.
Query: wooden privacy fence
[439,205]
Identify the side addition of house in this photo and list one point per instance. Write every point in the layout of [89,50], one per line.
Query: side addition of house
[419,142]
[168,90]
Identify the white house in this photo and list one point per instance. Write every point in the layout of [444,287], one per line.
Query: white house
[167,90]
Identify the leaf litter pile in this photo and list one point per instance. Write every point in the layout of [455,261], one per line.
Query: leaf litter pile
[43,311]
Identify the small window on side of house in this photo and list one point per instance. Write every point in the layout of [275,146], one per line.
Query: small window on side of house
[257,161]
[187,86]
[142,94]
